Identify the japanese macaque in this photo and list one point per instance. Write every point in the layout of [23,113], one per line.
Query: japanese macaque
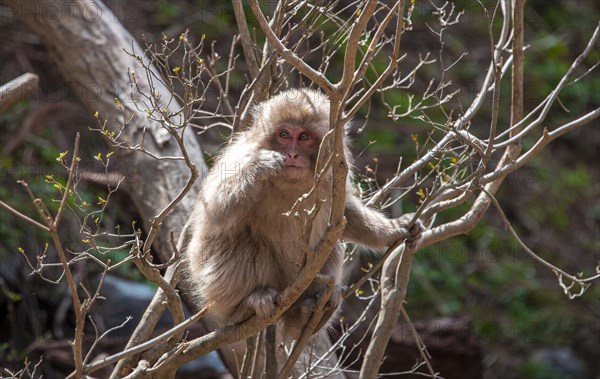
[244,249]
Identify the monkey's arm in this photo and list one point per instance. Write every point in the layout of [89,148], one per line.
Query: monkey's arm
[370,228]
[235,183]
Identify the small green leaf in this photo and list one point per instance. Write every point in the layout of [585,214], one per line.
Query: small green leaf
[62,156]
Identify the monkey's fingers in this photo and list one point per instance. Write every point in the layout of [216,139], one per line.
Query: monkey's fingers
[415,235]
[270,162]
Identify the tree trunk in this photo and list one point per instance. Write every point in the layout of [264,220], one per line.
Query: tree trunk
[88,42]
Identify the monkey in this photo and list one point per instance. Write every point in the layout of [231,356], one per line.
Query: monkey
[244,248]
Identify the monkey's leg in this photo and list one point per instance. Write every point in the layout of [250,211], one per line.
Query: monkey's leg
[332,307]
[298,316]
[330,276]
[261,301]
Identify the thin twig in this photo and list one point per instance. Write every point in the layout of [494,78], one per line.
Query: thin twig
[148,344]
[247,363]
[24,217]
[247,43]
[583,282]
[287,54]
[63,201]
[420,345]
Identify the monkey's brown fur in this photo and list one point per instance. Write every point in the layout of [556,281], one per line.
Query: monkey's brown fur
[243,249]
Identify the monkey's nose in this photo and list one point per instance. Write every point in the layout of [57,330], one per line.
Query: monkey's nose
[292,155]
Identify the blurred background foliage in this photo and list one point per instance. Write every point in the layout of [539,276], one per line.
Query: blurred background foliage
[517,307]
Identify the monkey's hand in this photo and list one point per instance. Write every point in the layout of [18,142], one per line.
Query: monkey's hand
[269,163]
[262,301]
[415,230]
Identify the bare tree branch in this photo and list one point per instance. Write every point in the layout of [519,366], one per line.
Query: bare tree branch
[17,90]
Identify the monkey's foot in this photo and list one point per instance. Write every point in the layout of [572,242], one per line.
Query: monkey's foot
[332,306]
[297,316]
[308,305]
[337,296]
[263,301]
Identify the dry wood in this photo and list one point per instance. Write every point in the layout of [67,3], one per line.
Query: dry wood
[17,90]
[97,71]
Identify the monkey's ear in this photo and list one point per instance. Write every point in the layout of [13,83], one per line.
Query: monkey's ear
[353,127]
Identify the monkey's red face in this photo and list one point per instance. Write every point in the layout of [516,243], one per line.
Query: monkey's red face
[299,147]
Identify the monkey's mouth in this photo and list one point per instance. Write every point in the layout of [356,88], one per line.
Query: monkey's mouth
[295,164]
[295,171]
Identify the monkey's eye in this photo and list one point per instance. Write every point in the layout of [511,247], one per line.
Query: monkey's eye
[284,134]
[304,136]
